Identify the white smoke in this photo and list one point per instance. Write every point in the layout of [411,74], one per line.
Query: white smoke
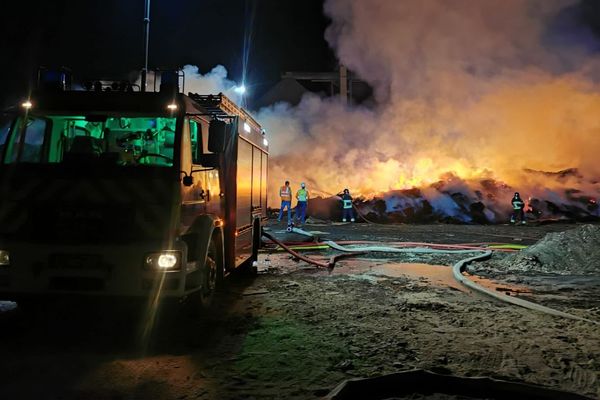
[468,87]
[213,82]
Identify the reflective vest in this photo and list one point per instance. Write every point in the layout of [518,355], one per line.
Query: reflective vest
[286,193]
[518,204]
[302,195]
[347,201]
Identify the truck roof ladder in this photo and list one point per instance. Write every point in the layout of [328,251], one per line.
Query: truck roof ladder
[221,105]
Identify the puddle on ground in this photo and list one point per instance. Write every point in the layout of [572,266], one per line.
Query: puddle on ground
[427,274]
[437,275]
[374,270]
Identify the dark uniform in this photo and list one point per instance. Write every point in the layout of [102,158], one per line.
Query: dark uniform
[518,206]
[347,213]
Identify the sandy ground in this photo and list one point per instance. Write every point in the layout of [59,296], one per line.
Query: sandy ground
[295,332]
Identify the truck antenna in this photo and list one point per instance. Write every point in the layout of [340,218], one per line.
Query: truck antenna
[146,41]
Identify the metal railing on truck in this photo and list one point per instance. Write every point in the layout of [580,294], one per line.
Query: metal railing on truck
[221,105]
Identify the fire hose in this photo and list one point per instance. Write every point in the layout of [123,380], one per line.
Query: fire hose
[457,271]
[415,250]
[329,265]
[464,246]
[498,247]
[460,267]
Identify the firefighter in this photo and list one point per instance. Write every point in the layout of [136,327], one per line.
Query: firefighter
[518,206]
[302,197]
[285,192]
[347,213]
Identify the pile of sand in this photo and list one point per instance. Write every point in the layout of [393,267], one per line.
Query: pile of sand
[573,252]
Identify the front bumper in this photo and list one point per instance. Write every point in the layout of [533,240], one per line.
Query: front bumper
[99,270]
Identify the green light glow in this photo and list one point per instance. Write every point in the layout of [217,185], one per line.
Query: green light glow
[124,140]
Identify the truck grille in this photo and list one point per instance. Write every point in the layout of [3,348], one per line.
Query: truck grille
[79,284]
[83,225]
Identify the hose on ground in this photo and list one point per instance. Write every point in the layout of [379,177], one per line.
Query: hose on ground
[387,249]
[503,247]
[300,246]
[303,232]
[457,271]
[330,265]
[460,267]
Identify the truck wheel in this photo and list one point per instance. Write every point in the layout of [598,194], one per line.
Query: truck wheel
[209,277]
[197,303]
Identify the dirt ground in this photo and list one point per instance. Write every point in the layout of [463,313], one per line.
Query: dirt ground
[295,332]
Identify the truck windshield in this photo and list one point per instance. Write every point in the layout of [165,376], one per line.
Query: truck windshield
[111,139]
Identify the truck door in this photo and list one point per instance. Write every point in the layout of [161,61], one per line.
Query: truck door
[193,197]
[243,236]
[257,203]
[212,188]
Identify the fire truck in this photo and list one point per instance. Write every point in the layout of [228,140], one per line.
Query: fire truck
[113,191]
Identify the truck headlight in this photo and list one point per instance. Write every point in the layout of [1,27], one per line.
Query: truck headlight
[4,257]
[169,260]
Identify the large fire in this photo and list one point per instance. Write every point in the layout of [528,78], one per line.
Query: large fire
[466,93]
[474,100]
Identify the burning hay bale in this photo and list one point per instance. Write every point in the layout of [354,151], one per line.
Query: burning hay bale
[573,252]
[456,201]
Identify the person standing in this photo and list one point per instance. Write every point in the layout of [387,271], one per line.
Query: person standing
[518,206]
[347,212]
[285,192]
[302,197]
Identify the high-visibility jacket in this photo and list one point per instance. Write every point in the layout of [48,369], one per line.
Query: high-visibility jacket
[347,201]
[517,204]
[302,195]
[285,192]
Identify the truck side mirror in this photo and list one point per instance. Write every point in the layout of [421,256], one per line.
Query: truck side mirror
[216,136]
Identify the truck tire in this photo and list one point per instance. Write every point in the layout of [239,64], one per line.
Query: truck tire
[202,300]
[208,273]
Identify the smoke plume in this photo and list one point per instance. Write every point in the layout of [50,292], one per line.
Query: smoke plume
[476,90]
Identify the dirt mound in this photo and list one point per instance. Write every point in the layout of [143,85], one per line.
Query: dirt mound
[573,252]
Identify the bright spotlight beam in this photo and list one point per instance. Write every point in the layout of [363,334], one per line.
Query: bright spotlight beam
[240,89]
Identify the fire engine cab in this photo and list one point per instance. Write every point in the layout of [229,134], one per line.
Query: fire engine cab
[111,191]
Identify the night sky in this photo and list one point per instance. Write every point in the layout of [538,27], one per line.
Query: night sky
[104,38]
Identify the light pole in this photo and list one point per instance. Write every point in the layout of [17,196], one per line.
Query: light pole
[146,41]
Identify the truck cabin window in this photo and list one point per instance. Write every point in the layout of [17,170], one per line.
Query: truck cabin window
[113,140]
